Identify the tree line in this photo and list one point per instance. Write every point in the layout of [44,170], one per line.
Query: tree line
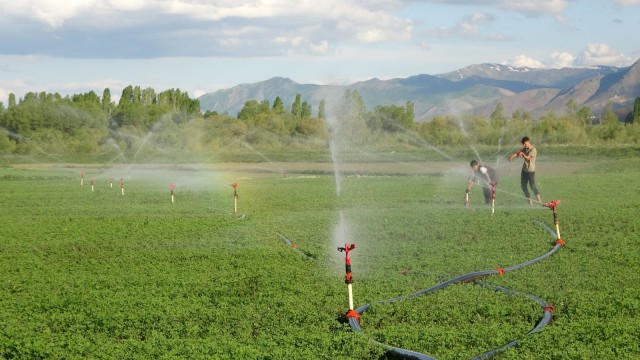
[91,124]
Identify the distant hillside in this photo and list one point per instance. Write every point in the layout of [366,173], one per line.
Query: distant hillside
[475,89]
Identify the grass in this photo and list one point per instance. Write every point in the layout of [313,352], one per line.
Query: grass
[101,275]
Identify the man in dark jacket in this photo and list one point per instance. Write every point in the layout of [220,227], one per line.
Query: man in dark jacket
[487,176]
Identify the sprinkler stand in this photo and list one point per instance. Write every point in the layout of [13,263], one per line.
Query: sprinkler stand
[91,180]
[111,182]
[466,199]
[122,186]
[81,178]
[493,197]
[553,205]
[348,279]
[235,198]
[172,186]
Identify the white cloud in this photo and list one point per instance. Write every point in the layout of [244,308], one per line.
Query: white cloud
[627,2]
[525,61]
[468,27]
[593,54]
[148,28]
[527,7]
[603,54]
[562,59]
[535,7]
[51,13]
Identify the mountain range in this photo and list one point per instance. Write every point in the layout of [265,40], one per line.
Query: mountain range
[475,89]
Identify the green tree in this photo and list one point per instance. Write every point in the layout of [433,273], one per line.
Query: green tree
[106,101]
[498,119]
[636,111]
[252,110]
[409,115]
[584,115]
[126,98]
[629,118]
[572,107]
[12,100]
[350,123]
[321,110]
[278,106]
[296,107]
[608,116]
[391,118]
[305,110]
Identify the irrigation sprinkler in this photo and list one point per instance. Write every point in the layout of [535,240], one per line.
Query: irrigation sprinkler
[91,180]
[493,197]
[235,198]
[553,206]
[81,178]
[348,279]
[172,186]
[122,186]
[111,182]
[466,199]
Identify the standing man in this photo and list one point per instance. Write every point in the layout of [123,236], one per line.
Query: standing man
[528,175]
[489,178]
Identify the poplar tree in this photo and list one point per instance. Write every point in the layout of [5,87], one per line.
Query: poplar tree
[296,107]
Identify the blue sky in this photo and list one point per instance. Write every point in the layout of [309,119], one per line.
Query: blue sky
[199,46]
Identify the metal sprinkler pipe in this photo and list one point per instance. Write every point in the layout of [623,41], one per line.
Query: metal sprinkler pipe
[466,199]
[172,186]
[553,206]
[235,197]
[122,186]
[493,197]
[81,178]
[348,279]
[91,180]
[111,182]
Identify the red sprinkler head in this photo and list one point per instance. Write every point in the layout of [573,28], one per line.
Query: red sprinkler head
[235,185]
[552,204]
[346,249]
[172,186]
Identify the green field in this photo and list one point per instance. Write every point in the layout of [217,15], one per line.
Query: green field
[101,275]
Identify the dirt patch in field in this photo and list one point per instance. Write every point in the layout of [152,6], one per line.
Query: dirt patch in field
[289,168]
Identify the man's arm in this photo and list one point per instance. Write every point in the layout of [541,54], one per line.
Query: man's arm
[530,156]
[469,185]
[515,155]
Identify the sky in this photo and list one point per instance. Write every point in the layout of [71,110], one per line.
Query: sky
[200,46]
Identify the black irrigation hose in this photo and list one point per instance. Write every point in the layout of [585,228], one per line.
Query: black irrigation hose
[408,354]
[546,318]
[294,247]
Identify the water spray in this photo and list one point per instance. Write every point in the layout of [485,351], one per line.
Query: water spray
[91,180]
[235,198]
[553,205]
[348,279]
[172,186]
[81,178]
[122,186]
